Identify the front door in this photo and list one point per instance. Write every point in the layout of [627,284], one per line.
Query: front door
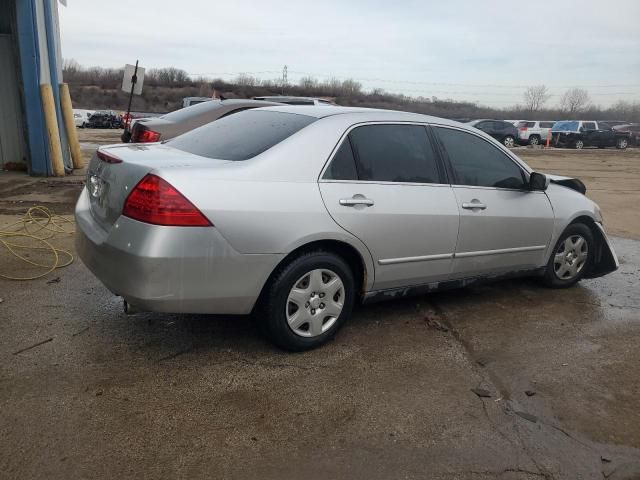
[503,226]
[385,185]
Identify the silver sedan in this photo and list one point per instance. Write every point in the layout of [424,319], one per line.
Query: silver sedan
[299,213]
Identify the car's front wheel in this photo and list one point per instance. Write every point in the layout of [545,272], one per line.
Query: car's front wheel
[308,300]
[571,258]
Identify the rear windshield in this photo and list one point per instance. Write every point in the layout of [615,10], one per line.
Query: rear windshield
[192,111]
[241,136]
[566,126]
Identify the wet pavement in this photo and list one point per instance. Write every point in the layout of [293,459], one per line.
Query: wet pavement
[87,392]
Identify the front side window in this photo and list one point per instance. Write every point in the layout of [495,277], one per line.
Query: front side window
[476,162]
[394,153]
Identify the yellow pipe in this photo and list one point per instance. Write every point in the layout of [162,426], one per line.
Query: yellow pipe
[70,126]
[55,148]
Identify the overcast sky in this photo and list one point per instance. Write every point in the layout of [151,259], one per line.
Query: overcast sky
[479,50]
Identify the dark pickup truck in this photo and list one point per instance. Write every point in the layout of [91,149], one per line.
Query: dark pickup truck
[580,134]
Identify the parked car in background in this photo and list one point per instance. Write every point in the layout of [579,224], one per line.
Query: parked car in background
[176,123]
[189,101]
[105,119]
[634,132]
[298,213]
[81,117]
[503,131]
[297,100]
[534,132]
[583,133]
[514,122]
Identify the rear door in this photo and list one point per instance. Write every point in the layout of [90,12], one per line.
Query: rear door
[590,133]
[386,185]
[503,226]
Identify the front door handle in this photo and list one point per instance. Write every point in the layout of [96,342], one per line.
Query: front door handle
[473,205]
[356,200]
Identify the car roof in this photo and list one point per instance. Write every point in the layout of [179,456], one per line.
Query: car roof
[360,114]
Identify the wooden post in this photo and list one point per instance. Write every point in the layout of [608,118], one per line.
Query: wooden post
[72,135]
[55,147]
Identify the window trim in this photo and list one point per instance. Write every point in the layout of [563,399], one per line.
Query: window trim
[450,171]
[440,164]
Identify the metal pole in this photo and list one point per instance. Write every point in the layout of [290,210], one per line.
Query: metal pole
[134,79]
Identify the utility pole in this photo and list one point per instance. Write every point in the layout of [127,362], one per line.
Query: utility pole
[284,78]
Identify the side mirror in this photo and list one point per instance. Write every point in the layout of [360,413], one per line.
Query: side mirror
[538,181]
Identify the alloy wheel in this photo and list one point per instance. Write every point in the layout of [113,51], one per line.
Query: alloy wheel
[570,257]
[579,144]
[315,302]
[509,142]
[534,140]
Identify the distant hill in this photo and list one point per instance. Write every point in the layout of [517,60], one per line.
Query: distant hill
[164,89]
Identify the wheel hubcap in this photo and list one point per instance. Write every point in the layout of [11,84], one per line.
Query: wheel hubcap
[315,302]
[508,142]
[570,257]
[534,140]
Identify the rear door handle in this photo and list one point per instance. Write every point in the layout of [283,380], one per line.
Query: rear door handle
[351,202]
[474,205]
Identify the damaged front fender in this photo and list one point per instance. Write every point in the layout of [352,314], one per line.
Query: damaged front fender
[605,260]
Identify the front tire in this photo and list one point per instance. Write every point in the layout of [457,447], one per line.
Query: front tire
[308,300]
[509,141]
[571,258]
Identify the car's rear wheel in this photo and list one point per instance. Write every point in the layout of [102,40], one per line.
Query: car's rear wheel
[308,300]
[509,141]
[534,140]
[579,144]
[622,144]
[572,257]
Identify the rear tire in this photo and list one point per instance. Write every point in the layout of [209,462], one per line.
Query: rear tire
[579,144]
[534,140]
[622,144]
[307,301]
[571,258]
[509,141]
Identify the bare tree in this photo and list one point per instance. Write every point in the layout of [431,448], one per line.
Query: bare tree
[535,97]
[574,100]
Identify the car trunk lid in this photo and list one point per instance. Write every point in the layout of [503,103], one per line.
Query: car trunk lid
[111,179]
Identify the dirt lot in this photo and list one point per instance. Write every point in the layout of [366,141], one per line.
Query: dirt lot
[87,392]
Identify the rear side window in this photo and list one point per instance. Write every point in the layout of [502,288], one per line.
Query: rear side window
[478,163]
[241,136]
[546,124]
[589,125]
[529,124]
[394,153]
[343,165]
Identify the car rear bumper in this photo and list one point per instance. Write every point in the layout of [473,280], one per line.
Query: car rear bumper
[171,269]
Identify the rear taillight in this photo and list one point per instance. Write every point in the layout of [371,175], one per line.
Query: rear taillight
[142,134]
[154,200]
[108,157]
[523,129]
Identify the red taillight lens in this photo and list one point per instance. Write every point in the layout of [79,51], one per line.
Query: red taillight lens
[154,200]
[523,129]
[108,157]
[148,136]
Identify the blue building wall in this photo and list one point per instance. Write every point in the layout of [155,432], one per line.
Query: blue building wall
[40,163]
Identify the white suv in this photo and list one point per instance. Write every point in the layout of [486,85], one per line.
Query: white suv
[534,132]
